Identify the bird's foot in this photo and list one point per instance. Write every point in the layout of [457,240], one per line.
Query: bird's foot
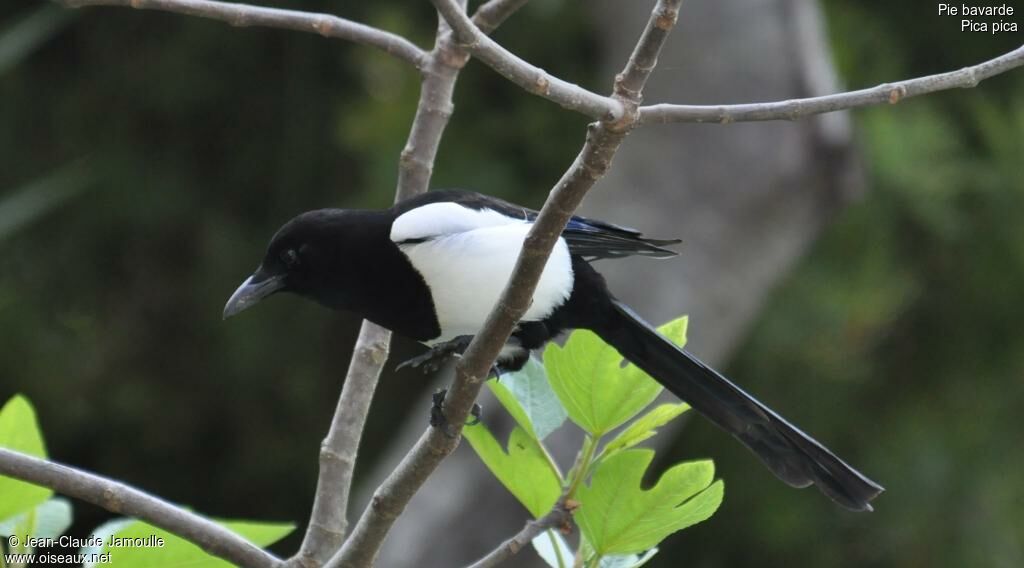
[439,420]
[437,355]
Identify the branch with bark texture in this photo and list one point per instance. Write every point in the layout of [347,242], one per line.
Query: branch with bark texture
[328,521]
[125,500]
[492,13]
[242,15]
[887,93]
[559,516]
[531,78]
[603,140]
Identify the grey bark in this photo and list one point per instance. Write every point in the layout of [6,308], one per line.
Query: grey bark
[748,199]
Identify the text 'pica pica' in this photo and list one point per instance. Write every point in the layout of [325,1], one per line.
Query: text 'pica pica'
[432,267]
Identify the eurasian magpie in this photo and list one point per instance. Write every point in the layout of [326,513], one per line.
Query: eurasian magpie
[432,267]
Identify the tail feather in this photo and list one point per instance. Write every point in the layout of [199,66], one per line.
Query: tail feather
[794,457]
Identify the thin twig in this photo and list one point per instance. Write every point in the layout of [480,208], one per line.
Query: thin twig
[247,15]
[391,498]
[890,93]
[328,521]
[534,79]
[122,499]
[559,516]
[492,13]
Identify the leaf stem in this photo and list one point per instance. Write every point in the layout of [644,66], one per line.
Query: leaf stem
[556,548]
[583,466]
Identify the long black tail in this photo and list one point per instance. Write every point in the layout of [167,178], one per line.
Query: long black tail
[793,456]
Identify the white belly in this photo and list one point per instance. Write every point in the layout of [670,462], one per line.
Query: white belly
[466,273]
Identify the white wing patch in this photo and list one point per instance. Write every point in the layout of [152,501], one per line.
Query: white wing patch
[441,219]
[467,271]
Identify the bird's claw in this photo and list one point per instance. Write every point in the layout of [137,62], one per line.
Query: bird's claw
[437,355]
[440,421]
[429,362]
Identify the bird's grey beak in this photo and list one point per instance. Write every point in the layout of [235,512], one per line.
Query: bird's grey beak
[254,289]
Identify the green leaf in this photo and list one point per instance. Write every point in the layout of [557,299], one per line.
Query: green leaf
[618,517]
[19,431]
[525,470]
[644,427]
[596,390]
[674,331]
[48,520]
[528,397]
[158,547]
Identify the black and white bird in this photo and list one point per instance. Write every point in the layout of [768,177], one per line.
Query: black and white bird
[432,267]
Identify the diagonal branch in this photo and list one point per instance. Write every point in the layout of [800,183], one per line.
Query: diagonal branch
[603,139]
[890,93]
[125,500]
[246,15]
[558,516]
[492,13]
[534,79]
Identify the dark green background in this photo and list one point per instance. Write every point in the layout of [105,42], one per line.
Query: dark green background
[162,151]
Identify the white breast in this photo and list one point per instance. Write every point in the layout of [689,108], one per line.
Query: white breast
[468,258]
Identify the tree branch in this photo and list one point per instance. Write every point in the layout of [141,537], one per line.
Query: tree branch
[328,523]
[122,499]
[246,15]
[492,13]
[890,93]
[534,79]
[603,139]
[559,516]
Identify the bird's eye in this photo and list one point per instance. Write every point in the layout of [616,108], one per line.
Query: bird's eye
[290,258]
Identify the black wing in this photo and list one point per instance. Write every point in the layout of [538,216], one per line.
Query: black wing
[591,239]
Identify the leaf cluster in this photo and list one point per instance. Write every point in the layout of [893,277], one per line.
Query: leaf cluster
[587,381]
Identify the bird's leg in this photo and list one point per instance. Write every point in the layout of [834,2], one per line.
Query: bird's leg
[432,360]
[439,420]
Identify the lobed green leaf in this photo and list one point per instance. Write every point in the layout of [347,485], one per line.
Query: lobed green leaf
[644,427]
[617,516]
[598,393]
[524,470]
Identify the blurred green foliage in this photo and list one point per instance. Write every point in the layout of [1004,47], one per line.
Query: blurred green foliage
[898,338]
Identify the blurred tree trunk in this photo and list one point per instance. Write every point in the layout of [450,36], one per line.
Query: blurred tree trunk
[747,200]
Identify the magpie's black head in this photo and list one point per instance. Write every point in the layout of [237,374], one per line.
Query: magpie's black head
[305,257]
